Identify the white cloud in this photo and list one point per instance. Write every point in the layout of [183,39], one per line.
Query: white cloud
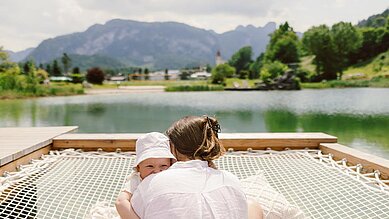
[26,23]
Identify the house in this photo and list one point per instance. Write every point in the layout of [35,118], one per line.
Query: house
[60,79]
[200,75]
[117,78]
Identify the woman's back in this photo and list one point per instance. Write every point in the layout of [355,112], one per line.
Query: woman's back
[190,189]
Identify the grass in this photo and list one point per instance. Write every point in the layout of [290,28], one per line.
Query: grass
[379,81]
[371,73]
[378,66]
[250,82]
[54,89]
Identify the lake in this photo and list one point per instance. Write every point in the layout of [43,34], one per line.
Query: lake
[359,117]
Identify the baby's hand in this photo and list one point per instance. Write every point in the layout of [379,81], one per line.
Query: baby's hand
[132,182]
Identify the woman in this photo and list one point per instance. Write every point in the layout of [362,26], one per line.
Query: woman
[192,187]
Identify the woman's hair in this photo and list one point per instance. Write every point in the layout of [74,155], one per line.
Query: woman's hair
[196,137]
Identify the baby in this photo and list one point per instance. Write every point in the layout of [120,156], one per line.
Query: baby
[152,156]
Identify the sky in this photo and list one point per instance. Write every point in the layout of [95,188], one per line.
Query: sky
[25,24]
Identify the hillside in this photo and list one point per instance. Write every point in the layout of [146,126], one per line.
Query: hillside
[155,45]
[376,66]
[377,20]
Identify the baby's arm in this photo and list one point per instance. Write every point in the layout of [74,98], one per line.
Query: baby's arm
[123,206]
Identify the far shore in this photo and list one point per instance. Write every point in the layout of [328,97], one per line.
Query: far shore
[125,90]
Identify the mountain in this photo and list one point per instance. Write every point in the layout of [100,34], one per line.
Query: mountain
[19,56]
[155,45]
[258,38]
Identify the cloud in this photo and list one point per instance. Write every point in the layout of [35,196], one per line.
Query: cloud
[27,23]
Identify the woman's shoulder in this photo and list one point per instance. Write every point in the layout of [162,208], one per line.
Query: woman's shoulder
[230,177]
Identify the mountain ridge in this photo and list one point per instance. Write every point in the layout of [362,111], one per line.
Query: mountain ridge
[154,44]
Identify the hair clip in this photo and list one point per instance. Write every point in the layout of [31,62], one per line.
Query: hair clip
[215,127]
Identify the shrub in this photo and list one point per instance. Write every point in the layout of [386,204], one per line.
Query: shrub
[220,72]
[243,74]
[95,76]
[272,70]
[77,78]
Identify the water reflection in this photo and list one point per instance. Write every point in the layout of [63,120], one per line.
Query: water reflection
[358,117]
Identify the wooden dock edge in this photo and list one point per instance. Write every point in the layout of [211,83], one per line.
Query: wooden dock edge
[19,145]
[14,165]
[369,162]
[237,141]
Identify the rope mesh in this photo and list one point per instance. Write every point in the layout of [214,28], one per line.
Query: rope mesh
[66,184]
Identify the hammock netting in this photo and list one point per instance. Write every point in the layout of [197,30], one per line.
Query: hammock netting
[66,184]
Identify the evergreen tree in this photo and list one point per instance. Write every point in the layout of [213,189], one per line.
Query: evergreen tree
[48,69]
[67,62]
[56,71]
[166,74]
[147,74]
[26,67]
[76,70]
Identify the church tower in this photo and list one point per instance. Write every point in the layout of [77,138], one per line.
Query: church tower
[219,59]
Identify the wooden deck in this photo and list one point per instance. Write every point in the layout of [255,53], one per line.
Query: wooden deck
[16,143]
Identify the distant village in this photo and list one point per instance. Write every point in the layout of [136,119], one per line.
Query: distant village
[197,73]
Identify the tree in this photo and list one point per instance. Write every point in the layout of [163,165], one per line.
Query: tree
[318,41]
[166,74]
[56,71]
[256,66]
[76,76]
[331,48]
[76,70]
[346,40]
[26,67]
[284,45]
[220,72]
[208,68]
[241,60]
[67,62]
[147,77]
[95,75]
[374,42]
[48,69]
[41,75]
[5,63]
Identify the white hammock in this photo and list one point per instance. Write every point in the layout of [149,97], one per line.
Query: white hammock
[67,184]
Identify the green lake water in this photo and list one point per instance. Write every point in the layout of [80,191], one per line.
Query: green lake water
[359,117]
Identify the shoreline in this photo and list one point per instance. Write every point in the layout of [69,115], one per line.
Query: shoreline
[125,90]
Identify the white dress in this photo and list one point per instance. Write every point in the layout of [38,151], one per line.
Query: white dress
[190,189]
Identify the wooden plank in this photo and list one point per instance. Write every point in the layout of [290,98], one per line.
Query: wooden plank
[353,156]
[16,142]
[87,142]
[275,141]
[238,141]
[12,166]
